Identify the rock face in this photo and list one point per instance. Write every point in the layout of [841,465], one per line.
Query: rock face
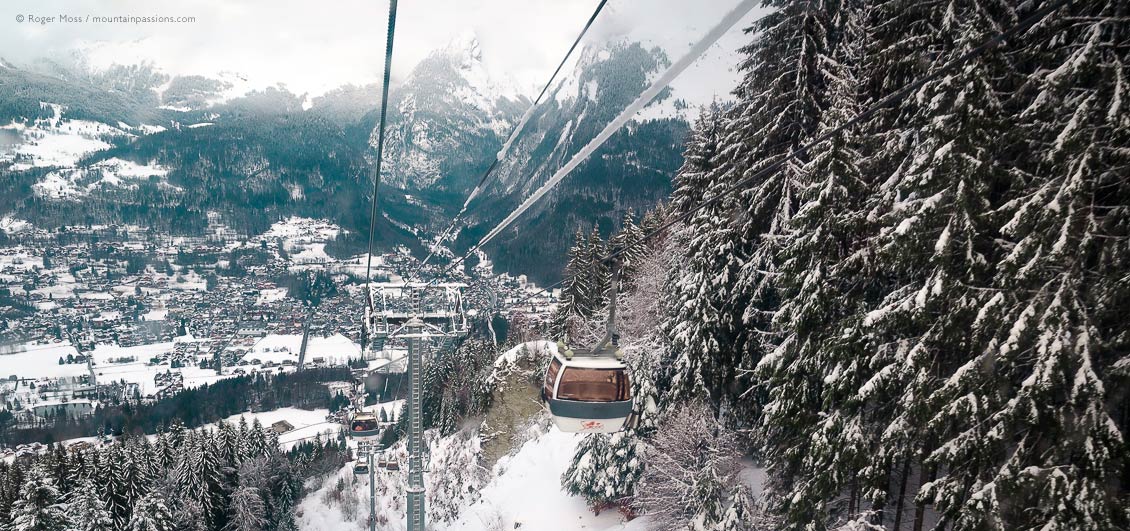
[515,403]
[447,118]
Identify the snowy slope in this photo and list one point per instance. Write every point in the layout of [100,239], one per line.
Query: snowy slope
[524,491]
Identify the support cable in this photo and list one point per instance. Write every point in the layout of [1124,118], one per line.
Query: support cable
[664,79]
[514,134]
[380,146]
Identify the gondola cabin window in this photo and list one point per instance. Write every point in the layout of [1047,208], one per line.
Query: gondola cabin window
[551,376]
[593,385]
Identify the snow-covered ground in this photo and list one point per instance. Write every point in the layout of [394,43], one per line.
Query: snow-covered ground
[304,239]
[303,230]
[335,350]
[10,225]
[526,493]
[55,141]
[522,491]
[40,360]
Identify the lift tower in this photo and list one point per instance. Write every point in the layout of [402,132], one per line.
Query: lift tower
[424,316]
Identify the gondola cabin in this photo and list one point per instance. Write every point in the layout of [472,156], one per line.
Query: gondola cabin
[361,468]
[588,394]
[364,425]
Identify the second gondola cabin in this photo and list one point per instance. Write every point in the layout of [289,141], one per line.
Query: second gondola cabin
[588,394]
[364,425]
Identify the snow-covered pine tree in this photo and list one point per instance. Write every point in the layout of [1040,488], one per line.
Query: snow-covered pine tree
[211,474]
[137,475]
[198,475]
[115,490]
[13,483]
[164,454]
[87,510]
[698,323]
[596,273]
[40,505]
[572,305]
[1044,456]
[587,476]
[780,100]
[244,438]
[627,239]
[151,514]
[937,157]
[812,432]
[227,445]
[258,440]
[694,177]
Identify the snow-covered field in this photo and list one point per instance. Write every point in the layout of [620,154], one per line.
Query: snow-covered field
[335,350]
[41,361]
[304,239]
[297,230]
[55,141]
[307,423]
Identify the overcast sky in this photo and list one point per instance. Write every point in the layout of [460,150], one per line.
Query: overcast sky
[312,46]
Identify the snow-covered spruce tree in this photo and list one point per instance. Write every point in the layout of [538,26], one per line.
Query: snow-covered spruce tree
[588,475]
[777,111]
[698,323]
[87,510]
[39,505]
[596,273]
[813,431]
[627,239]
[114,487]
[10,484]
[151,514]
[693,179]
[137,475]
[1049,443]
[574,293]
[935,159]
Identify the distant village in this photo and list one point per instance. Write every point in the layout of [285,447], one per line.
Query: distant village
[112,314]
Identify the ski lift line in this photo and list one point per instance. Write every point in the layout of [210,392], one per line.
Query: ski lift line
[380,138]
[899,94]
[514,134]
[665,79]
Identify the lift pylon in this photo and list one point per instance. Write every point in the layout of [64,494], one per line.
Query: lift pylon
[421,316]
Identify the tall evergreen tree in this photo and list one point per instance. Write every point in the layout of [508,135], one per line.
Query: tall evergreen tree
[87,510]
[813,430]
[151,514]
[573,292]
[40,505]
[699,325]
[1050,326]
[588,475]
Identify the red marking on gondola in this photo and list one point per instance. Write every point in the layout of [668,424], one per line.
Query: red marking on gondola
[592,425]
